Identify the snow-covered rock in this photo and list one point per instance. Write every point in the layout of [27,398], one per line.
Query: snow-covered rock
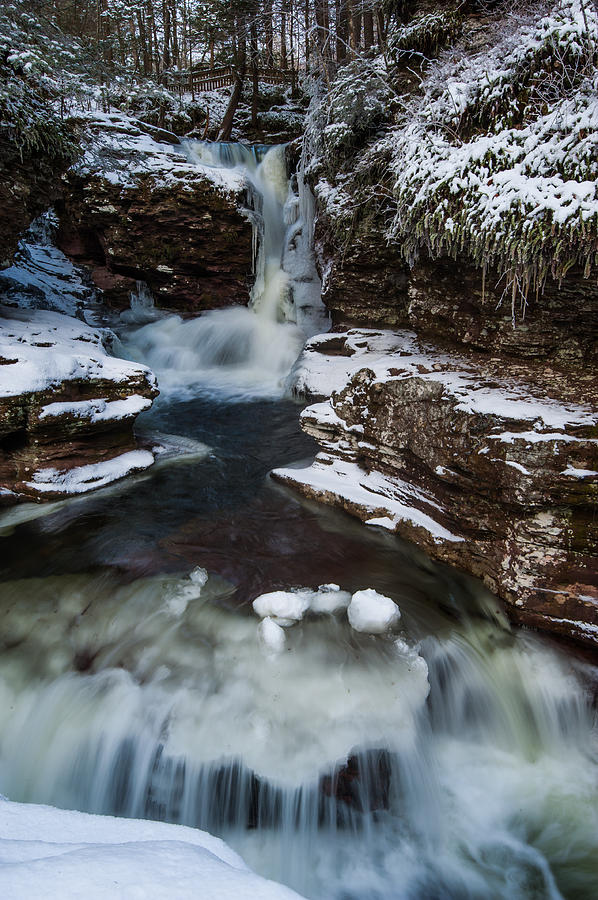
[138,209]
[59,388]
[53,853]
[372,612]
[489,464]
[329,599]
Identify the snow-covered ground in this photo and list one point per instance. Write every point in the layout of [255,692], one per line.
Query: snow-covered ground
[48,853]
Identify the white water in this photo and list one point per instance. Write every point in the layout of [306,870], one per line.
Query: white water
[489,787]
[244,351]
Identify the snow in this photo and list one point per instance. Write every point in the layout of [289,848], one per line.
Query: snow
[43,349]
[372,612]
[47,853]
[320,374]
[284,607]
[329,599]
[391,500]
[122,152]
[572,472]
[271,636]
[100,410]
[534,437]
[87,478]
[198,576]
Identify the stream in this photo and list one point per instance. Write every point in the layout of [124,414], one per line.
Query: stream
[456,758]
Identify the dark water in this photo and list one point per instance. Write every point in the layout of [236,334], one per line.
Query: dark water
[224,513]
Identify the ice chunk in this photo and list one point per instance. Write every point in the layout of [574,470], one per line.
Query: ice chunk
[372,612]
[198,576]
[285,607]
[329,598]
[414,660]
[271,636]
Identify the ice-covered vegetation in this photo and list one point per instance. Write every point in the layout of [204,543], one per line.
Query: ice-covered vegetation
[35,66]
[488,152]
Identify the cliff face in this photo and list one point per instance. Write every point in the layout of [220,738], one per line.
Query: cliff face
[465,455]
[472,431]
[28,186]
[135,209]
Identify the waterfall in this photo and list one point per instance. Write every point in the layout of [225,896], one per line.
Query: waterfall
[244,351]
[349,766]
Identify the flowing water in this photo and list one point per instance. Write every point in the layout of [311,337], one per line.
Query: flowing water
[455,759]
[245,351]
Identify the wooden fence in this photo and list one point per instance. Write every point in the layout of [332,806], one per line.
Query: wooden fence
[211,79]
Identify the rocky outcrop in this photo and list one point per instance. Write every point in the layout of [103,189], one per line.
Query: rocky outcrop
[452,302]
[135,209]
[353,276]
[27,188]
[490,467]
[67,409]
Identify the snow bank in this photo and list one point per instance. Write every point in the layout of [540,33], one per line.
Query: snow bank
[95,475]
[367,611]
[47,853]
[122,152]
[100,410]
[389,500]
[40,349]
[329,599]
[372,612]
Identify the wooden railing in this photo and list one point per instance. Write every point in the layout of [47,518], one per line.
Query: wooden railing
[211,79]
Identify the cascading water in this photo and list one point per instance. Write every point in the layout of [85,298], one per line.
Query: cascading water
[348,766]
[241,350]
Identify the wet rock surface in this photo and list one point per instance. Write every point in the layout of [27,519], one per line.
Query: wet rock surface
[135,209]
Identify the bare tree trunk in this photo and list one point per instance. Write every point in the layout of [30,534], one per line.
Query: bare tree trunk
[292,49]
[342,30]
[254,74]
[166,23]
[240,56]
[268,33]
[147,56]
[368,25]
[306,25]
[380,26]
[283,37]
[323,35]
[357,23]
[229,116]
[175,35]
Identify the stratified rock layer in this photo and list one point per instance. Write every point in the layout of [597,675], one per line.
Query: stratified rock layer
[67,409]
[490,467]
[135,209]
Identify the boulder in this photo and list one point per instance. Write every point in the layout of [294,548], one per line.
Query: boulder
[135,209]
